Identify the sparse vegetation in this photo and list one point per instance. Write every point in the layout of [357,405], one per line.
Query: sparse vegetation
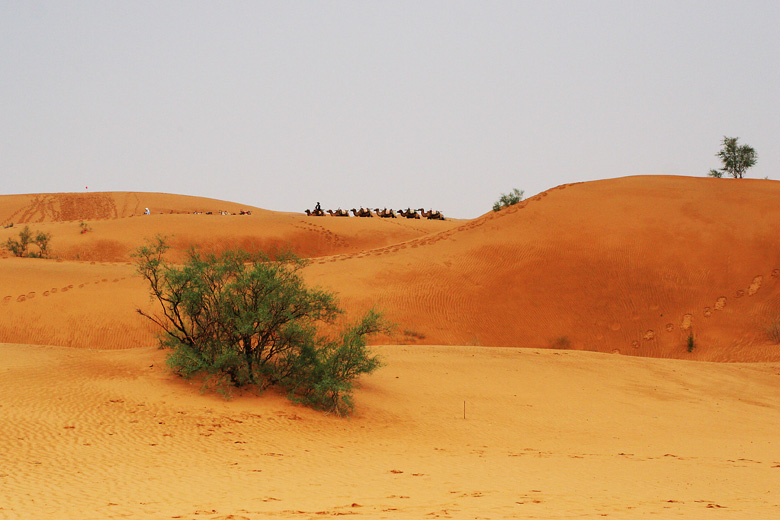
[772,329]
[508,199]
[84,227]
[413,335]
[245,319]
[21,247]
[691,342]
[736,159]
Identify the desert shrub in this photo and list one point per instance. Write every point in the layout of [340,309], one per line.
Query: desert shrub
[247,319]
[21,247]
[508,199]
[690,342]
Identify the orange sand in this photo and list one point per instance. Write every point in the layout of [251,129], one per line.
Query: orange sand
[630,266]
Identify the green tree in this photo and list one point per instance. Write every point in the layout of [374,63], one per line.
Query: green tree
[508,199]
[736,159]
[244,318]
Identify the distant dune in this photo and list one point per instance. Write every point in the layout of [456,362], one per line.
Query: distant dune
[632,265]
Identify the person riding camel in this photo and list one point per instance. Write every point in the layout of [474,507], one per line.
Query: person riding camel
[318,208]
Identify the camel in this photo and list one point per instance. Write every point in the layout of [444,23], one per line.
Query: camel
[431,215]
[315,213]
[385,213]
[338,213]
[409,213]
[362,212]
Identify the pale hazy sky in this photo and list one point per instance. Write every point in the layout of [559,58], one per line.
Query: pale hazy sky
[442,104]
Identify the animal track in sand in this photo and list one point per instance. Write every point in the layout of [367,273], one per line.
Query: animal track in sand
[720,303]
[649,335]
[7,299]
[686,322]
[54,290]
[21,298]
[740,293]
[755,285]
[669,327]
[707,312]
[30,295]
[635,344]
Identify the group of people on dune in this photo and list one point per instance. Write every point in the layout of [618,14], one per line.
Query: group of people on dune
[381,213]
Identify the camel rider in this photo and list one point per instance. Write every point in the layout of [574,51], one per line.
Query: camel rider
[317,207]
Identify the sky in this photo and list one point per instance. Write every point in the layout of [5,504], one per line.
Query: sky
[435,104]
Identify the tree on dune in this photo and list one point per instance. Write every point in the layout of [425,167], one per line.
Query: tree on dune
[736,159]
[240,318]
[508,199]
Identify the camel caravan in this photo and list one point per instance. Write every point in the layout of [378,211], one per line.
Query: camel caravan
[381,213]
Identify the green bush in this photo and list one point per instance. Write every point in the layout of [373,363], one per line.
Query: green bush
[508,199]
[247,319]
[21,247]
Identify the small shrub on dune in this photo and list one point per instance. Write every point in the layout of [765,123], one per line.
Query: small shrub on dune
[246,319]
[21,247]
[691,342]
[508,199]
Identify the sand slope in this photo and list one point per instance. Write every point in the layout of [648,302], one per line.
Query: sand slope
[632,265]
[548,434]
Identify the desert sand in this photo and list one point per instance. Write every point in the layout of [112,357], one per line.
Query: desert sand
[539,368]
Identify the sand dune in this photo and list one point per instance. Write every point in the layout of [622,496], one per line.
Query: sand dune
[490,430]
[632,266]
[547,434]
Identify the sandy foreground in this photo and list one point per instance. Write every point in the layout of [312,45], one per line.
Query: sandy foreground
[547,434]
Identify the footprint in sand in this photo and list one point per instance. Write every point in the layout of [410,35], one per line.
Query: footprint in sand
[756,285]
[635,344]
[775,273]
[649,335]
[30,295]
[720,303]
[686,322]
[707,312]
[669,327]
[7,299]
[740,293]
[45,293]
[54,290]
[21,298]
